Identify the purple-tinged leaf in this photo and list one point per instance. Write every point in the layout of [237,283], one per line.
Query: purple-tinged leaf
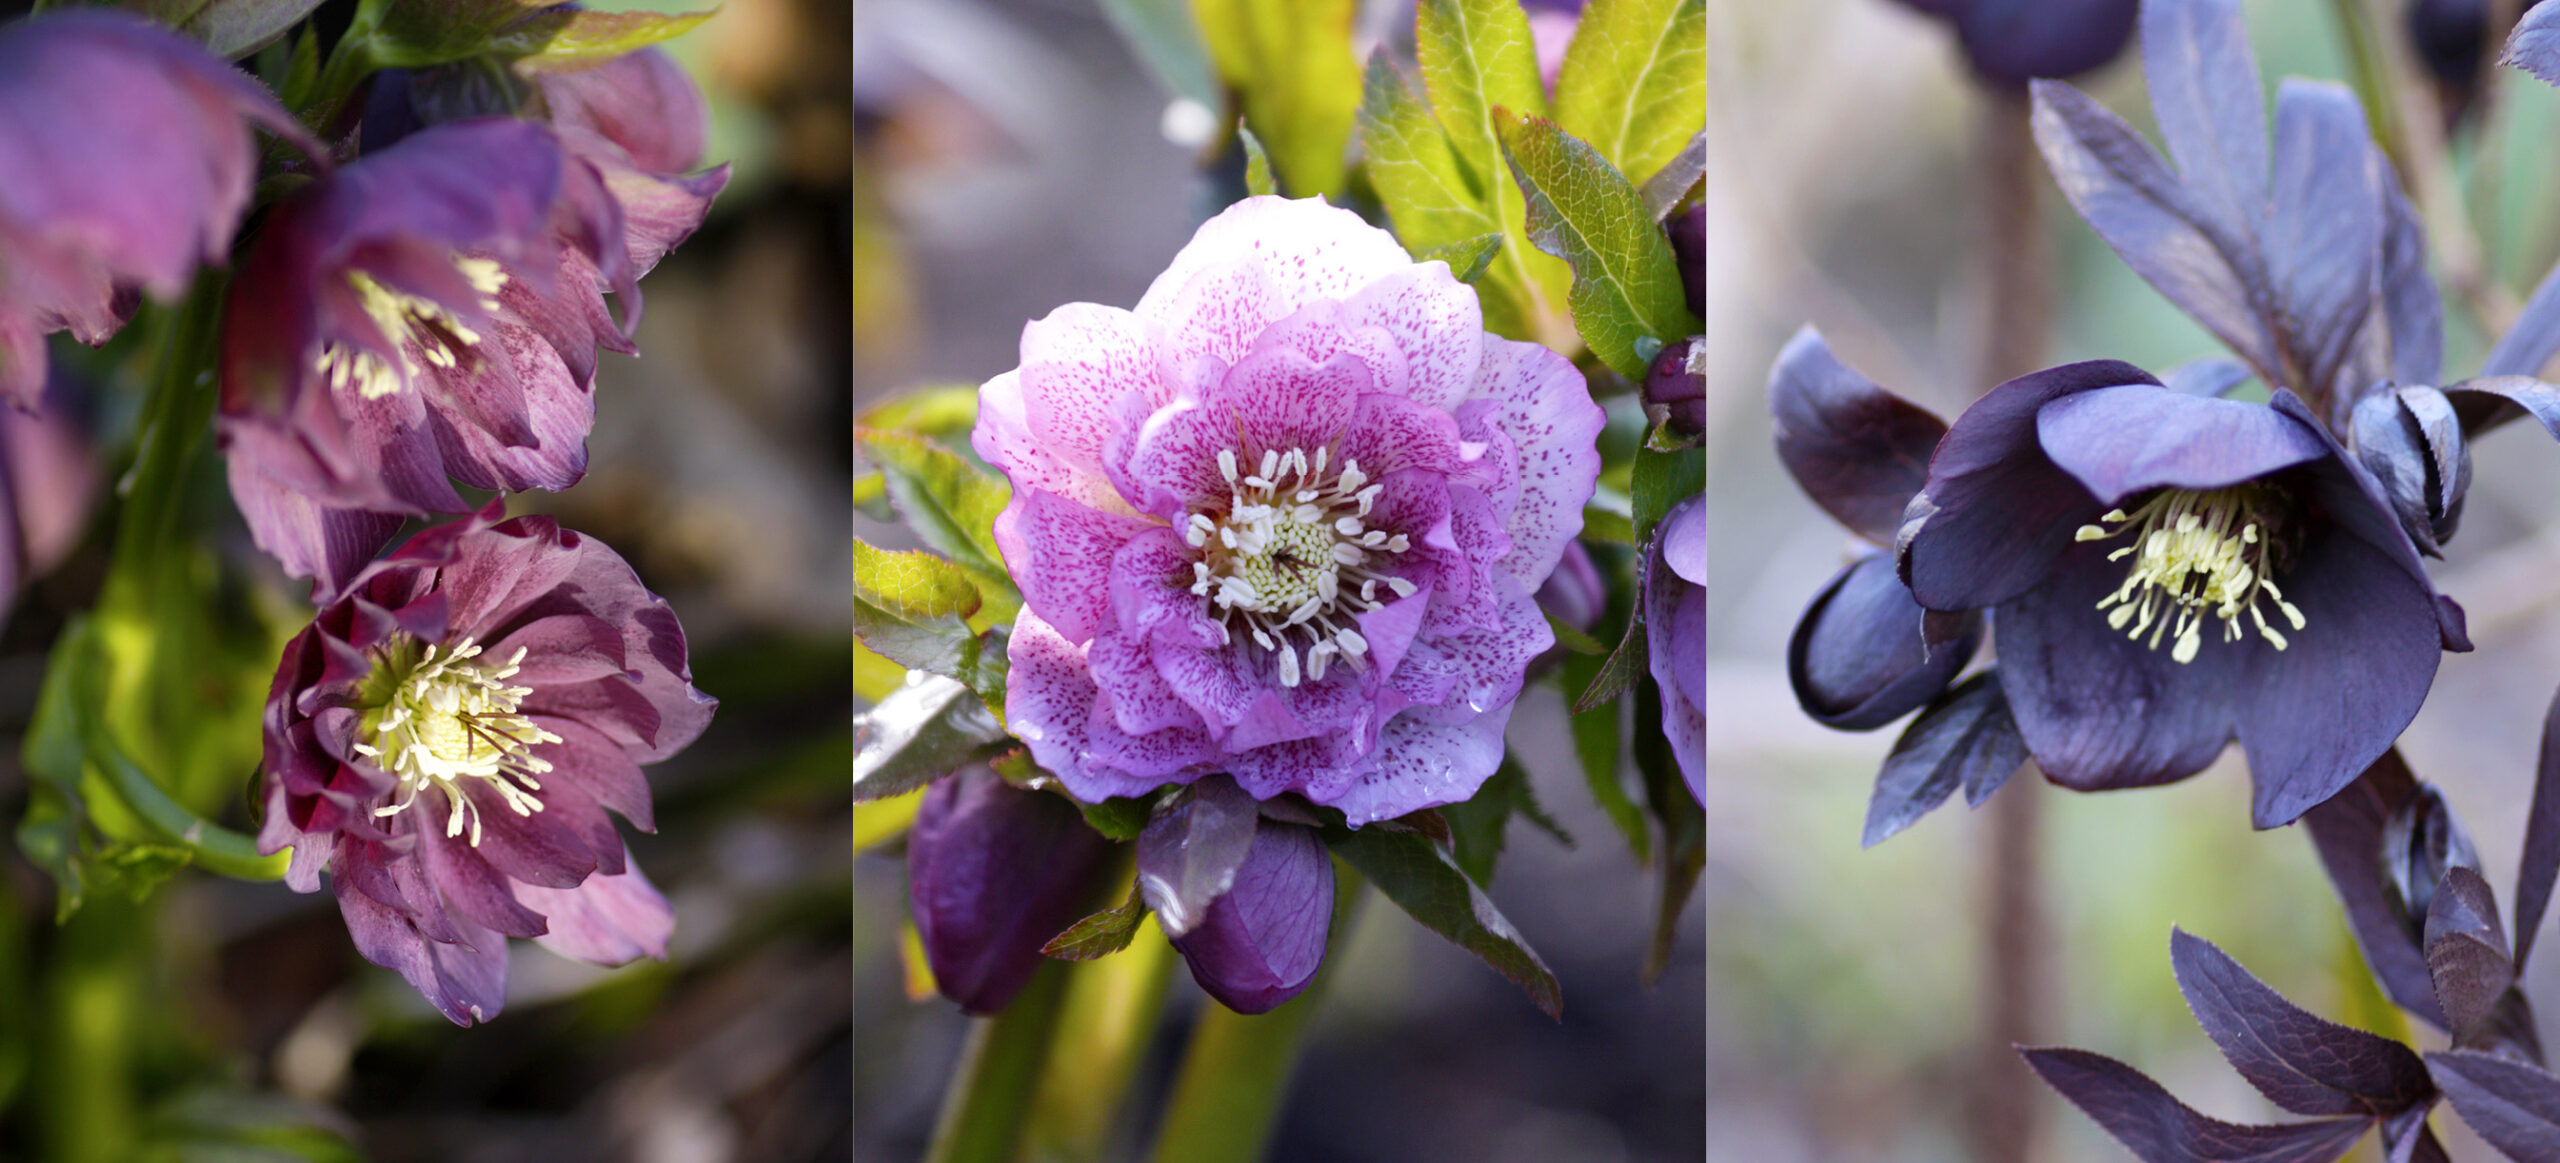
[2303,1063]
[1966,739]
[2346,831]
[2534,337]
[2212,111]
[1101,933]
[1419,879]
[2411,441]
[1858,450]
[2407,1139]
[2421,841]
[1188,856]
[2488,401]
[2534,46]
[2410,305]
[2467,952]
[2541,863]
[2158,1128]
[1865,654]
[2323,243]
[2127,194]
[2211,376]
[2513,1105]
[2511,1029]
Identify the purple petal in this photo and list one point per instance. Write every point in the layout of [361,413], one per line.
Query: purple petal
[1060,554]
[2212,111]
[1049,704]
[599,767]
[1421,764]
[1856,659]
[643,102]
[1263,939]
[1256,263]
[1858,450]
[1543,404]
[1077,363]
[1437,323]
[994,872]
[608,920]
[2323,244]
[2120,441]
[1003,438]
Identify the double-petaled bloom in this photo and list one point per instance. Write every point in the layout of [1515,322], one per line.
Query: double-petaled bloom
[126,159]
[1283,520]
[447,737]
[431,314]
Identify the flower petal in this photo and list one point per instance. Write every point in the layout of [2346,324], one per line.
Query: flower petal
[1543,404]
[1856,659]
[2124,440]
[1060,555]
[607,920]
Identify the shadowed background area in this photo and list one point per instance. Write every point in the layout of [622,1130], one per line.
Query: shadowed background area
[1012,157]
[1842,985]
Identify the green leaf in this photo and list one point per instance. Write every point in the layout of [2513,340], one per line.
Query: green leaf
[1634,80]
[1661,480]
[1292,63]
[230,29]
[923,731]
[566,39]
[942,646]
[1599,739]
[1102,933]
[415,35]
[911,584]
[1477,826]
[1411,871]
[1618,672]
[1257,164]
[949,410]
[1477,57]
[949,501]
[1572,638]
[1626,284]
[1166,38]
[1120,817]
[1468,258]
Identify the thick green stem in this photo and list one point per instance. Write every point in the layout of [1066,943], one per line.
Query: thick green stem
[983,1112]
[85,1102]
[1109,1018]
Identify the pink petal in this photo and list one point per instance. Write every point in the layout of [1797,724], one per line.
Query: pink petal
[608,920]
[1422,765]
[1060,553]
[1256,263]
[1545,406]
[1438,324]
[1077,364]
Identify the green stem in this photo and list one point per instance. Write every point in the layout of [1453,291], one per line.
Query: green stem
[982,1113]
[1108,1021]
[1235,1074]
[85,1102]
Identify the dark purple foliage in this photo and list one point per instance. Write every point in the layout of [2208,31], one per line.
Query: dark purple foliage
[2303,1063]
[2158,1128]
[2347,831]
[2513,1105]
[1966,739]
[2541,862]
[2010,41]
[2411,440]
[2534,46]
[993,872]
[2466,952]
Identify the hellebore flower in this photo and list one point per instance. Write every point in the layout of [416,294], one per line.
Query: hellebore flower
[431,314]
[125,160]
[447,736]
[48,480]
[2010,42]
[993,873]
[1283,520]
[1262,940]
[2170,571]
[642,102]
[1675,627]
[1864,653]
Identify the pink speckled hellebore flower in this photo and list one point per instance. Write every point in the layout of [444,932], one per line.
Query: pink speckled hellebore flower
[126,159]
[446,738]
[1283,520]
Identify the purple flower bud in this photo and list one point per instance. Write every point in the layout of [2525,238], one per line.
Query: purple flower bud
[1688,229]
[1675,627]
[993,873]
[447,738]
[125,160]
[2013,41]
[1262,942]
[1574,594]
[1678,391]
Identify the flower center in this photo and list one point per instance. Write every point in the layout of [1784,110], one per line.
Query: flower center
[2194,554]
[436,717]
[407,321]
[1291,559]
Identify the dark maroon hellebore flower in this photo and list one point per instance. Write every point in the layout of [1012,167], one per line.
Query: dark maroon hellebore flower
[994,872]
[2169,571]
[2011,42]
[126,159]
[447,737]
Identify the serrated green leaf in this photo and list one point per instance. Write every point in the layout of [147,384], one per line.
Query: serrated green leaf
[950,502]
[1410,871]
[1599,740]
[1166,38]
[911,584]
[417,35]
[1257,164]
[1572,637]
[1467,259]
[923,731]
[230,29]
[947,410]
[1477,826]
[1626,284]
[1291,61]
[1476,57]
[565,39]
[1120,817]
[1100,934]
[1618,672]
[942,646]
[1634,80]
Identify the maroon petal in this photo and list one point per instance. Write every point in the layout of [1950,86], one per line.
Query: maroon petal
[600,767]
[475,890]
[642,102]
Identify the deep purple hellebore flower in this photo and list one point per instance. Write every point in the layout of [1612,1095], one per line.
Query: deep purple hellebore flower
[2168,571]
[1675,627]
[446,738]
[1261,942]
[1283,520]
[126,159]
[2010,42]
[994,872]
[431,314]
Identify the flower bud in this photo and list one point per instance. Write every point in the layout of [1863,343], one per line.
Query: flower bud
[1574,594]
[2012,41]
[993,873]
[1688,229]
[1261,943]
[1680,392]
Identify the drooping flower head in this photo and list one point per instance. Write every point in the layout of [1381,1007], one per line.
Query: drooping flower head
[126,159]
[2169,571]
[446,738]
[994,872]
[1282,520]
[2009,42]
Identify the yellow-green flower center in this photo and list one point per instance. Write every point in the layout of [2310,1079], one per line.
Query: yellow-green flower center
[435,717]
[2194,554]
[418,328]
[1292,559]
